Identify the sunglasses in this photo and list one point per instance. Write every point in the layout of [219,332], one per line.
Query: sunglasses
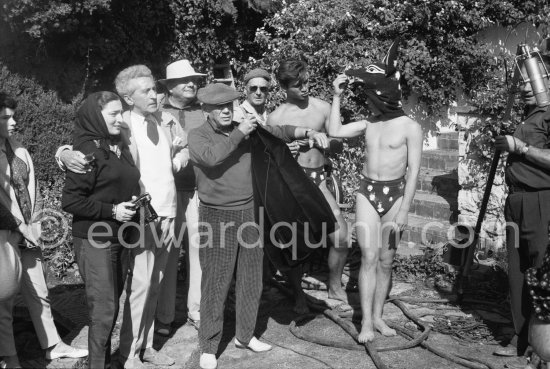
[255,88]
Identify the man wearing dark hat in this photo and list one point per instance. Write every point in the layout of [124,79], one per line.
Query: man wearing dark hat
[393,144]
[220,150]
[257,83]
[181,84]
[306,111]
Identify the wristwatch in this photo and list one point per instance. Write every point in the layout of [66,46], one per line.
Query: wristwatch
[307,132]
[524,149]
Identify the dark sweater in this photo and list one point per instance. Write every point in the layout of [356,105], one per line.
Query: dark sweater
[223,165]
[90,197]
[535,131]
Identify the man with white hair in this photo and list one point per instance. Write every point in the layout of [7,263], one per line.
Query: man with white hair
[154,139]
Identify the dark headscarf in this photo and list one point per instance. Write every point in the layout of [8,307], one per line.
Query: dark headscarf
[383,91]
[90,125]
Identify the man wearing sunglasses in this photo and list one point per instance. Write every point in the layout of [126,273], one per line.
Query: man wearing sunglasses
[257,83]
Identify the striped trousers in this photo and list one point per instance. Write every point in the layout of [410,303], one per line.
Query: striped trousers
[230,241]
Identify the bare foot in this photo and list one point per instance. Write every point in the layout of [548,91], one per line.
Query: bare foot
[300,306]
[338,294]
[383,328]
[367,333]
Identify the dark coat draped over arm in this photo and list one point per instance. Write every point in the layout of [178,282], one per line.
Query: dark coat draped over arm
[284,195]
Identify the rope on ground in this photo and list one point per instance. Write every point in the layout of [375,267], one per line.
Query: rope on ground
[445,355]
[467,329]
[297,332]
[267,339]
[468,362]
[350,329]
[372,350]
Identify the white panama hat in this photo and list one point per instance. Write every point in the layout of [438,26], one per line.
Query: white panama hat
[180,69]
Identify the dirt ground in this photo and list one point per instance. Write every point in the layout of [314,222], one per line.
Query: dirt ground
[275,316]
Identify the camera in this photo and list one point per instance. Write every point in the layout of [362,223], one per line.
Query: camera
[144,209]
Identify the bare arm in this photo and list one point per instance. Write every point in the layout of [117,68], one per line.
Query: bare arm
[511,144]
[298,134]
[414,157]
[335,128]
[541,157]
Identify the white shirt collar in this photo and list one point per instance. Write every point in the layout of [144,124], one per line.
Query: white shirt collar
[250,109]
[137,118]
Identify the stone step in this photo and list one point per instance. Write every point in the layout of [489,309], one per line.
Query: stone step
[447,141]
[444,160]
[422,231]
[438,182]
[433,206]
[449,135]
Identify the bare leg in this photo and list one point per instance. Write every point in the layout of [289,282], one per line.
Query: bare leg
[295,278]
[338,252]
[390,241]
[368,237]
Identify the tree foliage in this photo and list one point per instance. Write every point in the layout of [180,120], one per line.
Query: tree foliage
[93,39]
[70,47]
[440,57]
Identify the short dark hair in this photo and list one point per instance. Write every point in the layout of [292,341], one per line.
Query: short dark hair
[105,97]
[291,70]
[7,101]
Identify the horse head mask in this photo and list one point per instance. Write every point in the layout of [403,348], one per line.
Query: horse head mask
[381,84]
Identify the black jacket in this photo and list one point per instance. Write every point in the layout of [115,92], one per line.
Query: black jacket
[286,194]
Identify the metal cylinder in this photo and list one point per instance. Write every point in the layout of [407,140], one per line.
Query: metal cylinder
[538,81]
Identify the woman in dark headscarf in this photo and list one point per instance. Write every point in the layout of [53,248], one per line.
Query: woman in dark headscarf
[100,202]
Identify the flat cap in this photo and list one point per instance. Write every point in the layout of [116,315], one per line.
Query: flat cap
[257,73]
[217,94]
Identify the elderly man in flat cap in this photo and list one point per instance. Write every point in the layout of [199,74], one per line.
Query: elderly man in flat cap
[181,85]
[220,150]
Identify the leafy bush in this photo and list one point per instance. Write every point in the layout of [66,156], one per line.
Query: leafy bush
[100,37]
[440,56]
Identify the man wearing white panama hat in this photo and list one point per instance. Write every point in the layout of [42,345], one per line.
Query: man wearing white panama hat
[181,85]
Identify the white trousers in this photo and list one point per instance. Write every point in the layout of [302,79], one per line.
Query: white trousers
[145,273]
[35,295]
